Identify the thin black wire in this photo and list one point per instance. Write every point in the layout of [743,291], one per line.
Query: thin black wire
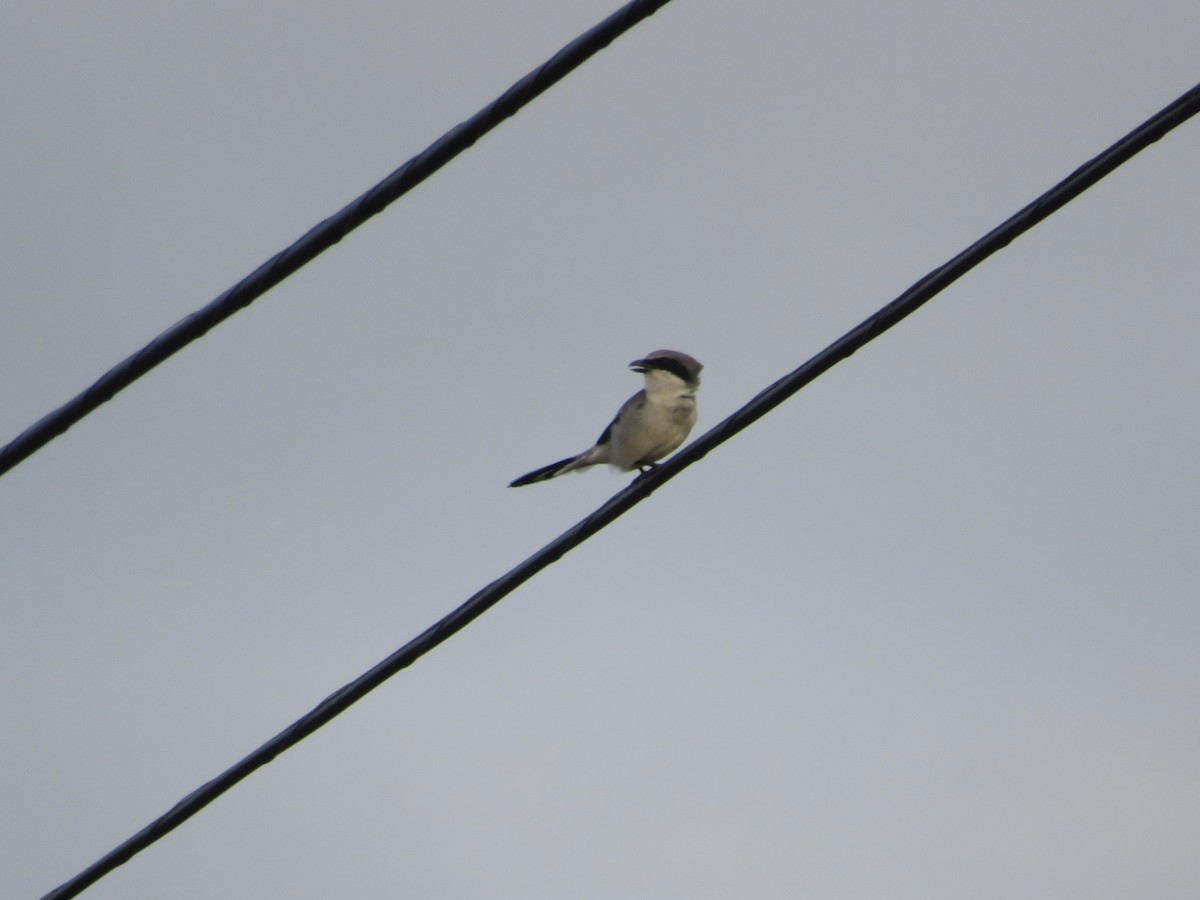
[479,603]
[327,233]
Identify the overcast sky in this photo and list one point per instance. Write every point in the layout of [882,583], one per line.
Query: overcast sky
[929,630]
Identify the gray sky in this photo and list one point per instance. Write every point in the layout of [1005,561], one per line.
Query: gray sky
[927,631]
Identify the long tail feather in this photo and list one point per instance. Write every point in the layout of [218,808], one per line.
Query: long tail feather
[547,472]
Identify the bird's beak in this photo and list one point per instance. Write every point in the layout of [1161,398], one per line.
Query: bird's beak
[638,365]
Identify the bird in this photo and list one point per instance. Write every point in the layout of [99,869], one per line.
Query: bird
[649,425]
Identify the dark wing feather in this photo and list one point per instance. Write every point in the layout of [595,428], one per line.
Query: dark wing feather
[637,401]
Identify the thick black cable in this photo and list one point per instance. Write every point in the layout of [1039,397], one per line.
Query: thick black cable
[327,233]
[1055,198]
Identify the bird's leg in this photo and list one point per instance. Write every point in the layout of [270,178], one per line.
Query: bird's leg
[644,469]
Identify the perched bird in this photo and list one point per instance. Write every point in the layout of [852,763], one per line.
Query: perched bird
[651,424]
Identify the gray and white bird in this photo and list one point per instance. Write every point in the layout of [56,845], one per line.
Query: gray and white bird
[651,423]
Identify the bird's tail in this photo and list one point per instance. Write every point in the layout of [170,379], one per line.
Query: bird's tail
[562,467]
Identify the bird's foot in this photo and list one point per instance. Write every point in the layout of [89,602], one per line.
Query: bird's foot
[644,470]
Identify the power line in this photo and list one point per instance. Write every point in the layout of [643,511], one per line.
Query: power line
[327,233]
[479,603]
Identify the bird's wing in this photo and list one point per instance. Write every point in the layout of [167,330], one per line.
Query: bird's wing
[636,402]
